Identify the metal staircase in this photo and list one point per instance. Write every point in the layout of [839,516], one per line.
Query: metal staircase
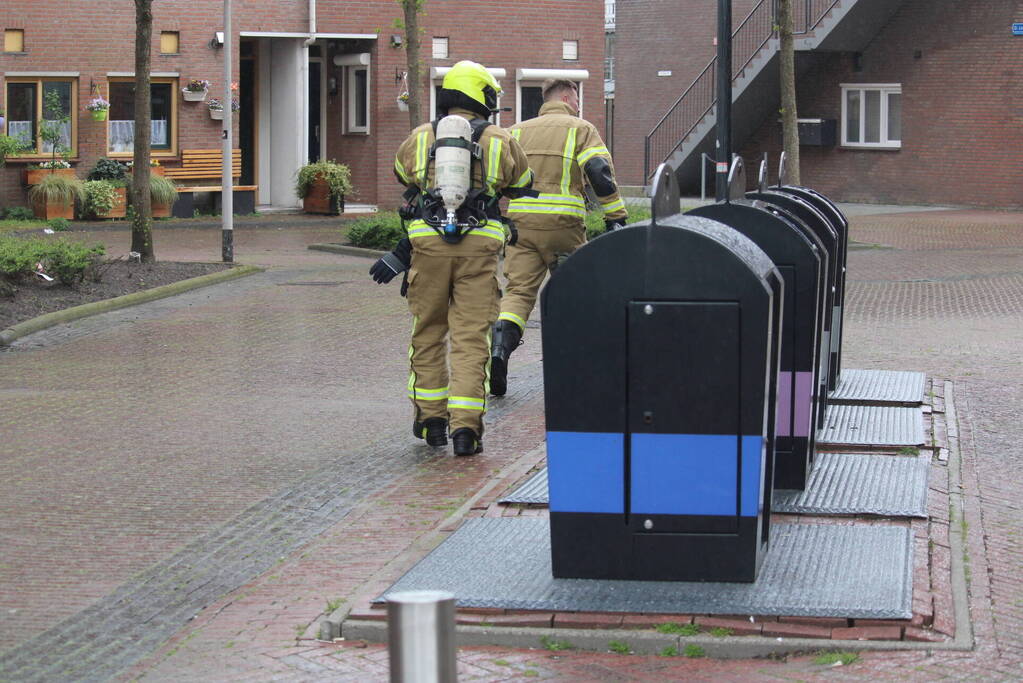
[686,131]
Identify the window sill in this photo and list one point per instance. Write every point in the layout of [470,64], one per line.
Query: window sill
[870,148]
[37,160]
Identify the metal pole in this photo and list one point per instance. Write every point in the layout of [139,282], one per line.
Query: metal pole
[724,104]
[421,637]
[226,181]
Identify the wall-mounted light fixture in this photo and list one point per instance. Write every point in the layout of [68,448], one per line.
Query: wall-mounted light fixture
[396,40]
[217,41]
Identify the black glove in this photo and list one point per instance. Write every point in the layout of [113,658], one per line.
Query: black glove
[610,225]
[389,265]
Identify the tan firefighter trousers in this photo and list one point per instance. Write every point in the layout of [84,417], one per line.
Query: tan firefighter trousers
[453,300]
[527,263]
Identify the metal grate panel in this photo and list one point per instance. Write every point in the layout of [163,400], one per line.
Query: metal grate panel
[818,570]
[532,492]
[858,425]
[860,484]
[879,386]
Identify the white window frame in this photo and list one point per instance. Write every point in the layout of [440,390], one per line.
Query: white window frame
[437,78]
[570,50]
[350,85]
[886,89]
[536,77]
[440,47]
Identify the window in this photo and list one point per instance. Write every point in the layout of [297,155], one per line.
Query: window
[121,119]
[14,40]
[170,43]
[440,48]
[531,99]
[358,99]
[570,50]
[872,115]
[28,108]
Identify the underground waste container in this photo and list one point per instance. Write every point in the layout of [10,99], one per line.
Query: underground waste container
[660,381]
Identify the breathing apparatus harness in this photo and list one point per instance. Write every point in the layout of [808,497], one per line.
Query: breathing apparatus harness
[454,208]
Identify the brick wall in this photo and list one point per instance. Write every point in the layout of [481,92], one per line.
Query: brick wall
[962,117]
[653,36]
[98,38]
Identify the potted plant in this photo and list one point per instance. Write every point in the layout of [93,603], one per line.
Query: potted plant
[54,196]
[154,167]
[163,193]
[114,176]
[403,101]
[51,130]
[98,106]
[195,90]
[217,108]
[322,186]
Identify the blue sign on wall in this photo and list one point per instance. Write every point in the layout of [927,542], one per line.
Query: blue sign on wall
[1017,29]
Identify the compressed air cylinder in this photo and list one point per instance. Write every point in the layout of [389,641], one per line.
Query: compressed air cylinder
[452,161]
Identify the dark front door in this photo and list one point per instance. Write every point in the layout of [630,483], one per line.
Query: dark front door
[247,113]
[314,111]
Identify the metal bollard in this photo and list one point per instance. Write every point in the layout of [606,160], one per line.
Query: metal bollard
[421,636]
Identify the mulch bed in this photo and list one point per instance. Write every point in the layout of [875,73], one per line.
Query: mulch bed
[35,296]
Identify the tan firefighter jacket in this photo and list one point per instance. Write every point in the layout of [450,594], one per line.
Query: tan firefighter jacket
[503,165]
[558,144]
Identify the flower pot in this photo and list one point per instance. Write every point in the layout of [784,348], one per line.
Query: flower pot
[402,105]
[33,176]
[161,210]
[318,200]
[99,115]
[217,114]
[119,209]
[193,96]
[53,209]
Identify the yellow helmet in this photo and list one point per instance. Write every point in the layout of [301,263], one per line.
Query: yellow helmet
[474,82]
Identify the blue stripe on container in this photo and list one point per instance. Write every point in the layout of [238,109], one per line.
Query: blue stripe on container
[684,474]
[586,472]
[753,455]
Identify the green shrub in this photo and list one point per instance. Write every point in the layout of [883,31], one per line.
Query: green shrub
[379,231]
[162,191]
[595,220]
[19,213]
[59,224]
[99,197]
[9,146]
[64,260]
[108,169]
[60,189]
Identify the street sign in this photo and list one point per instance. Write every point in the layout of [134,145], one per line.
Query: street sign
[1017,29]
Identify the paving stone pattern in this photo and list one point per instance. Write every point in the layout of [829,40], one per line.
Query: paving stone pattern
[242,392]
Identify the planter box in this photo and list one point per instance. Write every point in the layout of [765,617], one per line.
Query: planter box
[155,170]
[161,210]
[119,209]
[192,96]
[50,210]
[318,200]
[217,114]
[33,176]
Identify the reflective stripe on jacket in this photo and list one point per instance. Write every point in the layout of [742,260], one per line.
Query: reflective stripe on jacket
[558,144]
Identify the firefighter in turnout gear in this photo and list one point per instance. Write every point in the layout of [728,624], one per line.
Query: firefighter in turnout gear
[456,169]
[564,152]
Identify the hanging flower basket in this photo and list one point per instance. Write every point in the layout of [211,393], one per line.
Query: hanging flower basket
[195,90]
[402,105]
[99,114]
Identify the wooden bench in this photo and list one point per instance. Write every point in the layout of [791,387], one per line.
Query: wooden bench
[207,164]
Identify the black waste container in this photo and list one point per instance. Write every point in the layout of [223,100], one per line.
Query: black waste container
[802,264]
[660,367]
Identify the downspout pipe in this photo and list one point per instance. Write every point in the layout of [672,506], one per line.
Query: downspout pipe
[305,78]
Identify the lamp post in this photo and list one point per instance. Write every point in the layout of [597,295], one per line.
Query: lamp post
[227,182]
[724,97]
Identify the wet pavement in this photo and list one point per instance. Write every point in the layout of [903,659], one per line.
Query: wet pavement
[185,485]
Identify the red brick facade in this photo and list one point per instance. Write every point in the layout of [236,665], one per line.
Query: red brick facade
[958,65]
[98,40]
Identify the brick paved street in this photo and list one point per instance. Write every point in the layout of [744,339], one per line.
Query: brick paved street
[185,485]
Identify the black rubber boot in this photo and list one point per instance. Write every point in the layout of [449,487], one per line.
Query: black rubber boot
[466,442]
[506,338]
[433,429]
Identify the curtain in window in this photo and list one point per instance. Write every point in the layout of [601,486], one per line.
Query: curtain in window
[122,135]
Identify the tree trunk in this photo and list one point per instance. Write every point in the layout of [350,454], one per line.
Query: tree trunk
[142,222]
[787,64]
[412,43]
